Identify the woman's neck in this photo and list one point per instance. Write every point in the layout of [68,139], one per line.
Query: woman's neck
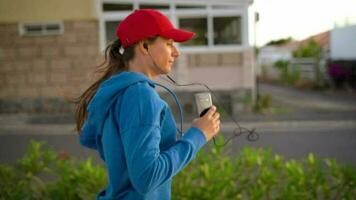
[138,65]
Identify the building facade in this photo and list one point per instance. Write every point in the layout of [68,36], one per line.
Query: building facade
[49,49]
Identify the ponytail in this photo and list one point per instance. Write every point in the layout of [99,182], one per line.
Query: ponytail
[115,62]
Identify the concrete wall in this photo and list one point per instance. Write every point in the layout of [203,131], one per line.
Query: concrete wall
[343,43]
[215,59]
[268,56]
[221,71]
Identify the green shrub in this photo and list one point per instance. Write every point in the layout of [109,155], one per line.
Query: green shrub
[262,104]
[310,49]
[287,75]
[43,174]
[252,174]
[258,174]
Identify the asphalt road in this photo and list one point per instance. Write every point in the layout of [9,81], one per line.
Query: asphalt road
[338,143]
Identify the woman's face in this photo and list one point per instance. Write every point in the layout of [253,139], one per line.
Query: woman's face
[163,53]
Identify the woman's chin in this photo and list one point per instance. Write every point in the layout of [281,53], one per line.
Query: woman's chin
[167,70]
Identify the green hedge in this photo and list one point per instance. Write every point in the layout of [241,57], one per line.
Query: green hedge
[252,174]
[44,174]
[259,174]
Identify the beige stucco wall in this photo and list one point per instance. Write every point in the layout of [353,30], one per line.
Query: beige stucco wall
[46,10]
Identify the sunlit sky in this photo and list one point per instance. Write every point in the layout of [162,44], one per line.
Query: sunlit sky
[300,18]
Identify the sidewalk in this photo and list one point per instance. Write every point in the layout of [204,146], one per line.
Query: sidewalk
[307,99]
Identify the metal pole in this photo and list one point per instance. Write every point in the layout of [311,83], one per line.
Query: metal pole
[257,92]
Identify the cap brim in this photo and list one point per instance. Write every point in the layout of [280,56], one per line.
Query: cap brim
[178,35]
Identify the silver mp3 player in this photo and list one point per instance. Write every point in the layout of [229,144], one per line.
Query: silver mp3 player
[203,101]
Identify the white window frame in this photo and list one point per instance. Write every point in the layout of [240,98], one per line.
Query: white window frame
[236,9]
[44,32]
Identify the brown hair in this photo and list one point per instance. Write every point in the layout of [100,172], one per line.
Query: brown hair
[115,62]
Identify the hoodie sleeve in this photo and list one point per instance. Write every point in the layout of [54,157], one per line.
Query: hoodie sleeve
[148,167]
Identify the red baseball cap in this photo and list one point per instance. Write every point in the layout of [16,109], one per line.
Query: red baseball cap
[144,23]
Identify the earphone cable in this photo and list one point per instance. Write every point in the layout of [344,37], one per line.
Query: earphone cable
[252,135]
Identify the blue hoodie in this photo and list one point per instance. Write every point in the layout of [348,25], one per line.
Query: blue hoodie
[134,131]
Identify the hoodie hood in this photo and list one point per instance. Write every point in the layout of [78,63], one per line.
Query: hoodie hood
[100,104]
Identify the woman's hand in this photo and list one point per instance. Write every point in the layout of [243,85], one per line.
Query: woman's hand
[209,124]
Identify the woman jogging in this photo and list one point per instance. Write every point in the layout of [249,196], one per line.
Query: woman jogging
[124,119]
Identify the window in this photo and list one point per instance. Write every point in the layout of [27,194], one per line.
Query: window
[33,29]
[153,6]
[224,6]
[182,6]
[117,7]
[227,30]
[197,25]
[39,29]
[110,28]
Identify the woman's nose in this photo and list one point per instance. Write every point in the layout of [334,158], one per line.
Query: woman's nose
[175,52]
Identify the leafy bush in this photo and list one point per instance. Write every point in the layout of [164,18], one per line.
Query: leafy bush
[44,174]
[310,49]
[253,174]
[286,74]
[343,73]
[258,174]
[262,104]
[280,41]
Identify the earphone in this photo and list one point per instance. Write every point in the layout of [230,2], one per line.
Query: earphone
[145,45]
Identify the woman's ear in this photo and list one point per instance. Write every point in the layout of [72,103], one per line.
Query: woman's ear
[143,47]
